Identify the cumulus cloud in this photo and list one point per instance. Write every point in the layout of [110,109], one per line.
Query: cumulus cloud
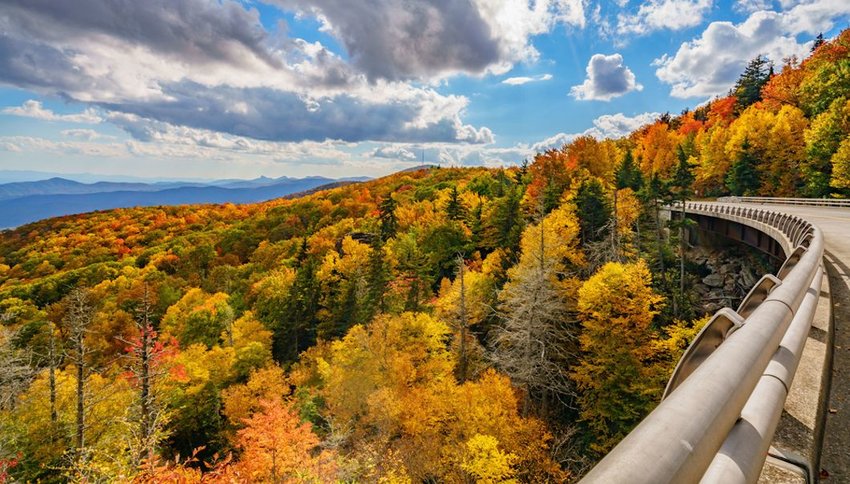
[395,153]
[213,66]
[34,109]
[663,14]
[268,114]
[711,63]
[518,81]
[605,126]
[619,125]
[607,78]
[554,142]
[426,39]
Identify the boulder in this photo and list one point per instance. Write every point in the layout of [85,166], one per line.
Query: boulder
[714,280]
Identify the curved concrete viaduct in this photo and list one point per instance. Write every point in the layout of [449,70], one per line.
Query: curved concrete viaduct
[750,401]
[835,224]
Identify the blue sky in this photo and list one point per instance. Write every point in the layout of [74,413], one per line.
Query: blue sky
[220,89]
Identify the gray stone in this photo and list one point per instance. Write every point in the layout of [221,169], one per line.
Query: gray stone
[713,280]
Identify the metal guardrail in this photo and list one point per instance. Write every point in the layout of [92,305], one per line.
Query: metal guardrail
[717,424]
[821,202]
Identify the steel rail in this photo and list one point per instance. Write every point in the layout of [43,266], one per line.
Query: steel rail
[717,424]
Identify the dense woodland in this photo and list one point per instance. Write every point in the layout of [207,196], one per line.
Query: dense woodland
[440,325]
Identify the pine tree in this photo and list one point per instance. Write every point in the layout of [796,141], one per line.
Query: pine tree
[455,209]
[747,89]
[505,228]
[628,175]
[743,176]
[519,177]
[594,211]
[654,194]
[389,223]
[682,189]
[476,226]
[818,42]
[377,279]
[297,331]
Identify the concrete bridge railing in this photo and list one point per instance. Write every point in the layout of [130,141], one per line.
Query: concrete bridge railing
[816,202]
[721,408]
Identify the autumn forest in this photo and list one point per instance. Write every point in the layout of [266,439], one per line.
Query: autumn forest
[435,325]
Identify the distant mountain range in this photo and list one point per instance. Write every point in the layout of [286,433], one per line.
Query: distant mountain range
[25,202]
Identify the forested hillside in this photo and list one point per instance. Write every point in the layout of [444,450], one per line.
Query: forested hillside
[442,325]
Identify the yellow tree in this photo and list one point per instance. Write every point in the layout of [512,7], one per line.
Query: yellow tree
[391,400]
[786,153]
[487,463]
[198,317]
[619,377]
[465,303]
[251,341]
[841,165]
[825,134]
[713,164]
[44,441]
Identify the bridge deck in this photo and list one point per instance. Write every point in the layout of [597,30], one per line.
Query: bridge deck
[835,224]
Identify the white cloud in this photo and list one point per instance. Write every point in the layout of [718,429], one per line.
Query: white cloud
[518,81]
[213,66]
[711,63]
[605,126]
[34,109]
[85,134]
[395,153]
[433,39]
[749,6]
[607,78]
[618,125]
[554,142]
[663,14]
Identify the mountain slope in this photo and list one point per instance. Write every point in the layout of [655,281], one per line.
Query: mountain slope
[22,210]
[63,186]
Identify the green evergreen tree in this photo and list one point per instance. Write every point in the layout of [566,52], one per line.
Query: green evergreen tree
[818,42]
[681,186]
[519,176]
[476,226]
[377,280]
[389,223]
[743,176]
[552,194]
[747,89]
[343,306]
[628,175]
[653,195]
[593,210]
[505,227]
[296,331]
[455,209]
